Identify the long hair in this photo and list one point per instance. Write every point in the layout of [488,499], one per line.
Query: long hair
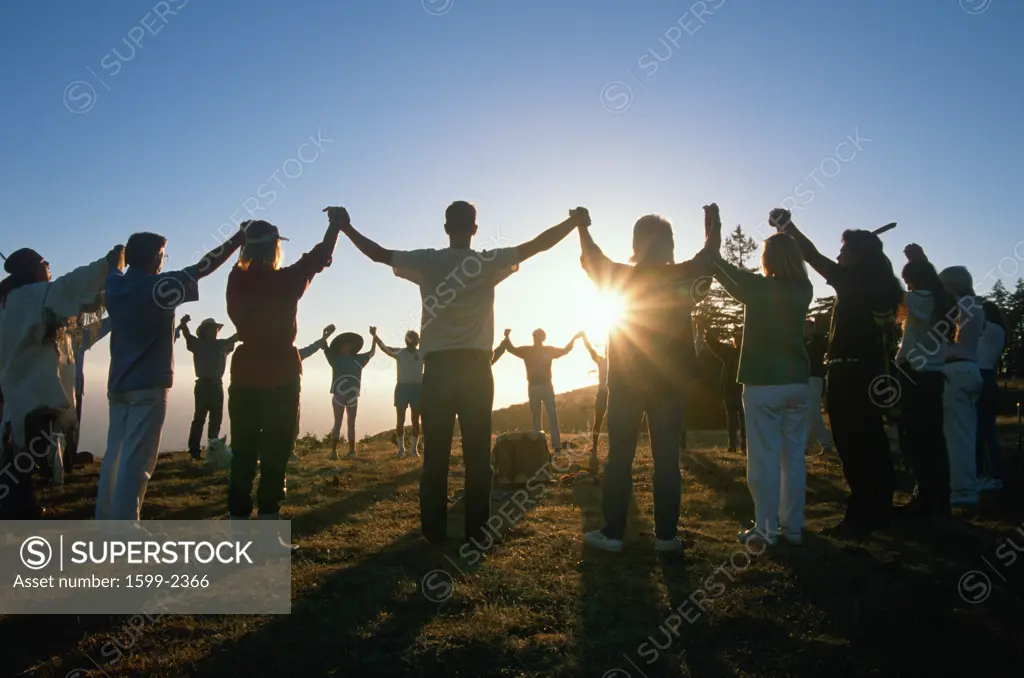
[781,258]
[263,255]
[921,275]
[653,243]
[875,269]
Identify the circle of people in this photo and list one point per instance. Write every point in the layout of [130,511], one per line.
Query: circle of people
[943,369]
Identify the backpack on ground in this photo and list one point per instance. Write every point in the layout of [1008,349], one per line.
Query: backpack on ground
[518,457]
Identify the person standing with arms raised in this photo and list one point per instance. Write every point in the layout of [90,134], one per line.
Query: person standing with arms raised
[541,391]
[266,369]
[652,360]
[868,295]
[457,338]
[142,302]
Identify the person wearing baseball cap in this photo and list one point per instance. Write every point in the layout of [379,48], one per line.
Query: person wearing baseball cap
[37,368]
[209,356]
[141,303]
[266,368]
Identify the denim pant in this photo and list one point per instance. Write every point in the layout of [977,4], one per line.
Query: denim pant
[989,456]
[456,384]
[264,424]
[664,411]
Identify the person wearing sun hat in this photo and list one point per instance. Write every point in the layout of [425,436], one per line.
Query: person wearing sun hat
[266,368]
[209,355]
[347,365]
[37,367]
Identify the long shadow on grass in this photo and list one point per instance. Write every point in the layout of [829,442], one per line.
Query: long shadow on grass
[621,605]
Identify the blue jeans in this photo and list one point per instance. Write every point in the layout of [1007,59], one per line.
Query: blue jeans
[989,456]
[665,425]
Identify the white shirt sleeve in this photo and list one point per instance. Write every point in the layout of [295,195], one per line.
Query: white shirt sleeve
[69,293]
[501,263]
[411,264]
[920,305]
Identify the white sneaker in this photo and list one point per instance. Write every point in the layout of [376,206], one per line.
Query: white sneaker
[668,545]
[990,485]
[597,540]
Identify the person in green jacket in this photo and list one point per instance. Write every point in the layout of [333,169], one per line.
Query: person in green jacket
[774,370]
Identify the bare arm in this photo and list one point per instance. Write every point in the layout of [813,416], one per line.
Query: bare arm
[554,235]
[593,354]
[383,348]
[602,270]
[368,247]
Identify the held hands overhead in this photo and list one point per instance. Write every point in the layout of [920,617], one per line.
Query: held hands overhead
[328,331]
[580,217]
[115,257]
[914,252]
[338,217]
[712,231]
[373,331]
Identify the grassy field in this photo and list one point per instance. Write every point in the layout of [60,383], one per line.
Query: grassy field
[370,599]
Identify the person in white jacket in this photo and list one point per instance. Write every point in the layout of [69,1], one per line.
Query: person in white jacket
[37,367]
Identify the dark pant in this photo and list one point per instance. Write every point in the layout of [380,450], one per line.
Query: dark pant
[921,436]
[209,401]
[458,384]
[990,457]
[18,466]
[735,422]
[859,434]
[665,425]
[73,437]
[264,423]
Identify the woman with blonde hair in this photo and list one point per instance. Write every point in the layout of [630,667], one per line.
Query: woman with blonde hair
[263,399]
[774,370]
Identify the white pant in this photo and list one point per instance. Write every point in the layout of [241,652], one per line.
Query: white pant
[544,394]
[816,430]
[776,455]
[133,442]
[960,424]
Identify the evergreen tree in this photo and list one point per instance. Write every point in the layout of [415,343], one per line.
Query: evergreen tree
[720,313]
[1014,309]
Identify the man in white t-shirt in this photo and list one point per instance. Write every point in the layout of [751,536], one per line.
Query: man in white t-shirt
[457,337]
[407,390]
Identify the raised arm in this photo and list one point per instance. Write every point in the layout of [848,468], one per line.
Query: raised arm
[311,349]
[368,247]
[385,349]
[602,270]
[216,257]
[92,334]
[555,234]
[190,340]
[590,349]
[825,267]
[567,349]
[498,352]
[69,294]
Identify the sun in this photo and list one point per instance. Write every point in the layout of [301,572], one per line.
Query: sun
[602,315]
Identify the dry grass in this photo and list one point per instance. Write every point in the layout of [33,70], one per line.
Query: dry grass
[540,605]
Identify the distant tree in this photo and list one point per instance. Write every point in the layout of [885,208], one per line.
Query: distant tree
[1014,310]
[721,313]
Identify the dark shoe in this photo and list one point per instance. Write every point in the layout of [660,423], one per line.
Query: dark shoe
[849,529]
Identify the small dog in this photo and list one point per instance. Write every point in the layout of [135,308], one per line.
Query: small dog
[218,454]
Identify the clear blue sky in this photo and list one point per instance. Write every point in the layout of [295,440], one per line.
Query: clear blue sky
[504,104]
